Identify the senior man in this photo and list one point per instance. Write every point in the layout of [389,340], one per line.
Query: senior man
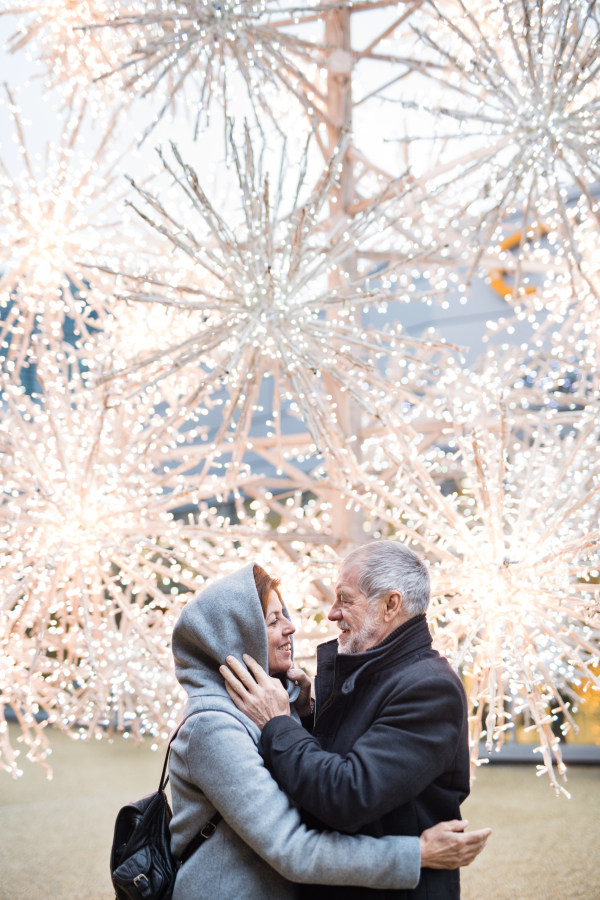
[386,752]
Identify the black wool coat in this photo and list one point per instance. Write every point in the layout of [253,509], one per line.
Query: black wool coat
[388,753]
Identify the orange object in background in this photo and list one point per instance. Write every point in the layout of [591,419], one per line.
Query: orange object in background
[588,717]
[497,279]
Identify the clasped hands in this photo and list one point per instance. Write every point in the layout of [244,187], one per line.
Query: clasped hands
[262,697]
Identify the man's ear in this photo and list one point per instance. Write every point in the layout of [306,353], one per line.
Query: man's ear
[393,606]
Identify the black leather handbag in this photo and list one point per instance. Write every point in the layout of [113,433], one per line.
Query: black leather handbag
[142,866]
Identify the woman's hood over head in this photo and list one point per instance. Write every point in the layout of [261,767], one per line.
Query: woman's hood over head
[225,619]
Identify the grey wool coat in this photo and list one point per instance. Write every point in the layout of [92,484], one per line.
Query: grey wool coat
[261,850]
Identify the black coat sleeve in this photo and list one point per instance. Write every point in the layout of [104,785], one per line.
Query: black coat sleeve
[410,744]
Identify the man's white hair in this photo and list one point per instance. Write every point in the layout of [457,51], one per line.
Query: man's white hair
[391,566]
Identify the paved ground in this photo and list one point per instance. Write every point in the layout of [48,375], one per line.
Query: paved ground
[543,847]
[55,836]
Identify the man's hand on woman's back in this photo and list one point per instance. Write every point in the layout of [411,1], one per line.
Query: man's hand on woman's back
[444,846]
[448,846]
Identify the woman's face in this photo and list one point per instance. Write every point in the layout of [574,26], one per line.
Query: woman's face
[279,631]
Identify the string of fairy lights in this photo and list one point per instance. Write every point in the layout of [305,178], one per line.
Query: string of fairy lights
[190,379]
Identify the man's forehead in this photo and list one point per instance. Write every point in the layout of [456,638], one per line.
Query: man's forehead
[347,578]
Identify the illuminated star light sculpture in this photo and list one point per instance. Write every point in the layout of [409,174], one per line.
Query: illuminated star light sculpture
[53,220]
[519,85]
[263,308]
[167,47]
[278,292]
[513,550]
[187,53]
[174,45]
[94,565]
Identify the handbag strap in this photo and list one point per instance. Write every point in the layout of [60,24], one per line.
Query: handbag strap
[204,834]
[164,781]
[210,827]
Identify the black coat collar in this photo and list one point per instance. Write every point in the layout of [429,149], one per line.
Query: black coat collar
[411,638]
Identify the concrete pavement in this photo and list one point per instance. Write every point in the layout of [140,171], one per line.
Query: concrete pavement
[55,836]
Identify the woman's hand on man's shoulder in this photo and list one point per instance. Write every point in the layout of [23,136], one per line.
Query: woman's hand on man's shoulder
[304,702]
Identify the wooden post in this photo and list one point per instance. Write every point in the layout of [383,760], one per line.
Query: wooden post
[346,524]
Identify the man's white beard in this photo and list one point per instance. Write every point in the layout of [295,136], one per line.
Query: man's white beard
[361,640]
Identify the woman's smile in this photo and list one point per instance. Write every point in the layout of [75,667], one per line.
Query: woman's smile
[279,631]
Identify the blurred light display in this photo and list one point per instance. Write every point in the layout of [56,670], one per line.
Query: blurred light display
[151,355]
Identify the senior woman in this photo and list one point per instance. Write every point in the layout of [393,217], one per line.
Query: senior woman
[261,850]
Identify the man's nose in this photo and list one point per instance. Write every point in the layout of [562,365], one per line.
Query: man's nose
[335,613]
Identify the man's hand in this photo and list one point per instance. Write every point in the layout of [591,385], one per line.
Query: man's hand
[261,699]
[446,846]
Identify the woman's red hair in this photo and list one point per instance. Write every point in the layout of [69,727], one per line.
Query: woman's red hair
[264,585]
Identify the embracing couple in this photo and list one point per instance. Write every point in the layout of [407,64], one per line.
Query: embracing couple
[354,795]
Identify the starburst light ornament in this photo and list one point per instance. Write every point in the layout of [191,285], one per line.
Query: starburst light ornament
[94,565]
[188,52]
[505,508]
[205,44]
[519,94]
[53,220]
[258,305]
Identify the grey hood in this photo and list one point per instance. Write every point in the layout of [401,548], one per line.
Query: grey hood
[225,619]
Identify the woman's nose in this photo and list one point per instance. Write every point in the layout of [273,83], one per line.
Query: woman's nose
[288,628]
